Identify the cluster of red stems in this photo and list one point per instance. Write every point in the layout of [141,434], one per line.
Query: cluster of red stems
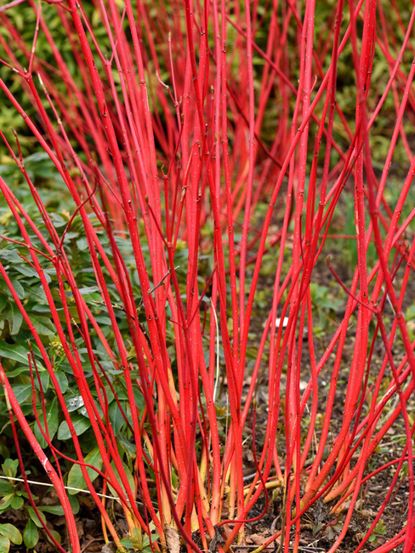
[160,138]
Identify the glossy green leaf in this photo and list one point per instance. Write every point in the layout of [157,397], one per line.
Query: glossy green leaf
[22,392]
[116,418]
[81,424]
[63,381]
[44,381]
[52,423]
[14,352]
[75,477]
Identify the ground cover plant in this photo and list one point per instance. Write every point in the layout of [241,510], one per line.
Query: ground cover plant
[206,260]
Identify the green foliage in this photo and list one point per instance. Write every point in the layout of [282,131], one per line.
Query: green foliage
[378,533]
[75,478]
[16,260]
[23,19]
[410,319]
[34,392]
[326,307]
[9,534]
[14,500]
[137,541]
[17,343]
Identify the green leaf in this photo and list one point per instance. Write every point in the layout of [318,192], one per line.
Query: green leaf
[35,518]
[127,447]
[139,400]
[75,478]
[56,510]
[116,418]
[26,270]
[22,392]
[129,476]
[73,403]
[11,533]
[82,244]
[30,534]
[89,291]
[5,503]
[127,542]
[43,325]
[3,302]
[15,319]
[73,500]
[9,467]
[4,544]
[17,502]
[44,380]
[63,381]
[18,371]
[11,255]
[56,535]
[410,313]
[81,424]
[14,352]
[52,420]
[19,290]
[6,488]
